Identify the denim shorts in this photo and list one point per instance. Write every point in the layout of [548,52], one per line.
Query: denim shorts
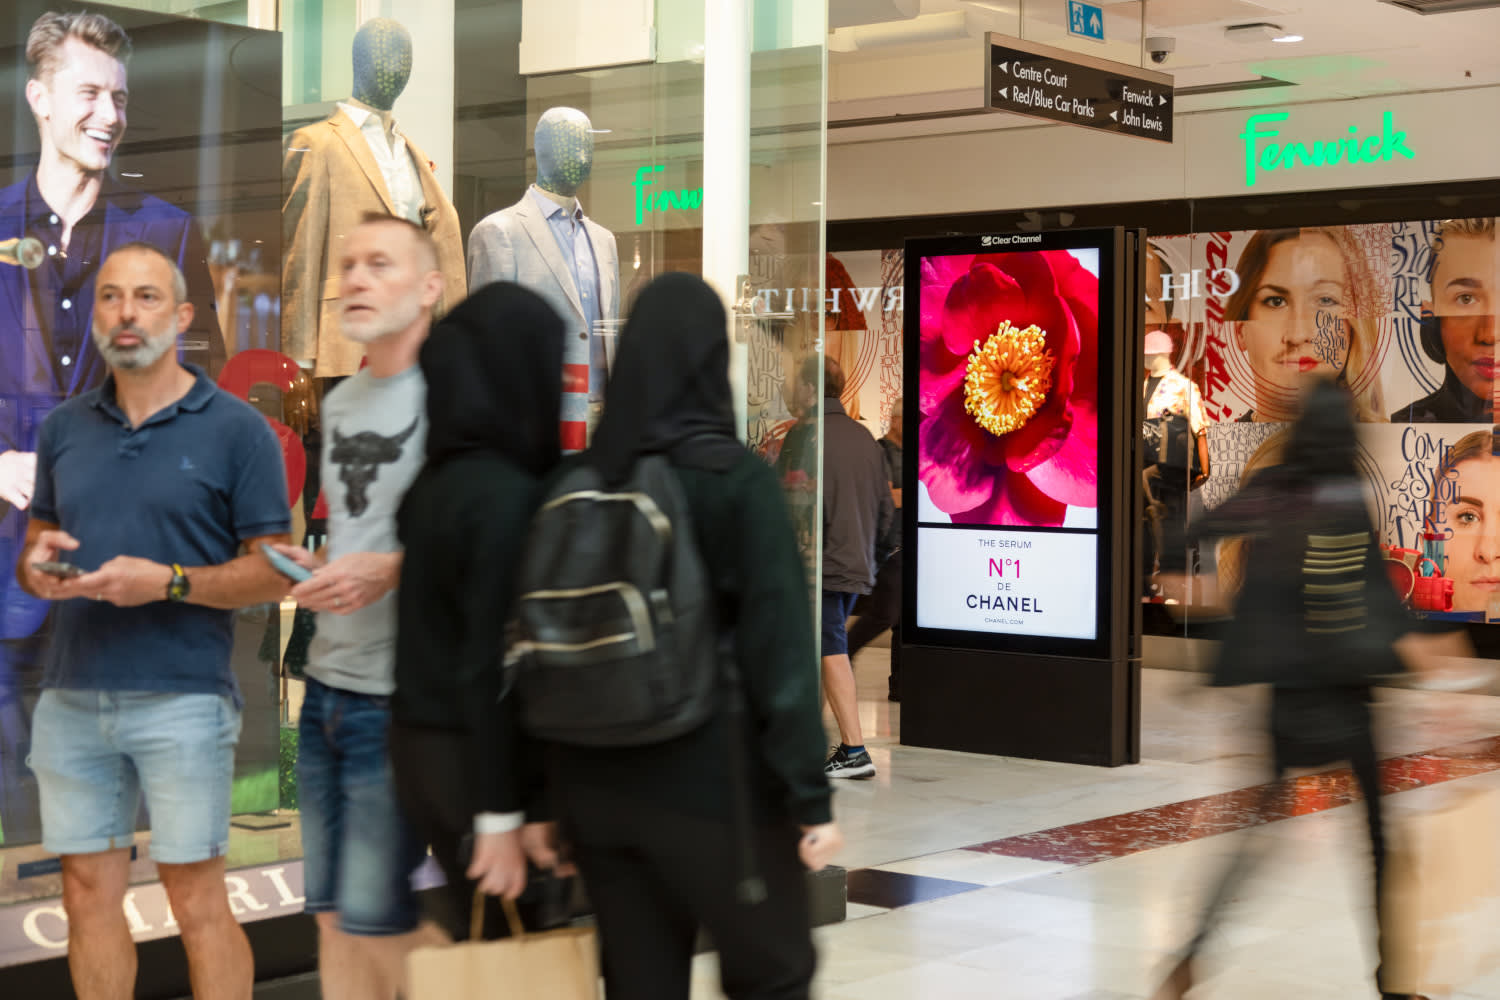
[837,607]
[95,752]
[358,850]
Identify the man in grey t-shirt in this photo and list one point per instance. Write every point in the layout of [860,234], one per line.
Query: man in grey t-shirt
[359,852]
[374,437]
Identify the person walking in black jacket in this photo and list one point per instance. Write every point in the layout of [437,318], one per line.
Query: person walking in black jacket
[857,512]
[493,368]
[881,608]
[1316,618]
[651,827]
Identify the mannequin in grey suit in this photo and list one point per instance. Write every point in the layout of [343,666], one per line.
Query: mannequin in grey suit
[545,243]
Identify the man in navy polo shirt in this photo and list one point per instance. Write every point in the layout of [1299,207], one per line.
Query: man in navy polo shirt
[152,484]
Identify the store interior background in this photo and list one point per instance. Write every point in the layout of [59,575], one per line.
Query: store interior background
[867,129]
[910,155]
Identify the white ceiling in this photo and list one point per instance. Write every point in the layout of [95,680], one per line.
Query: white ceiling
[1352,48]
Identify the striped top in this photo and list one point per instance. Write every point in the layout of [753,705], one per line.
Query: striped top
[1333,582]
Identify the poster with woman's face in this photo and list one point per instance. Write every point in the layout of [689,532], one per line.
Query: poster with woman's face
[1402,315]
[1290,305]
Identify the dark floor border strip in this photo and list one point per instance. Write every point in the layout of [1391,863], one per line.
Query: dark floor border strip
[892,890]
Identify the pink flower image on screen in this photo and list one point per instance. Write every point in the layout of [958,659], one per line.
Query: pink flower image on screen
[1009,387]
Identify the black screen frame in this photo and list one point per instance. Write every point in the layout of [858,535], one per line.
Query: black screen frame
[1110,531]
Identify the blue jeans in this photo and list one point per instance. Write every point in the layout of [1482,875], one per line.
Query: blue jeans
[95,752]
[358,850]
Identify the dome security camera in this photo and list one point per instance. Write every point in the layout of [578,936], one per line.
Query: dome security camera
[1161,46]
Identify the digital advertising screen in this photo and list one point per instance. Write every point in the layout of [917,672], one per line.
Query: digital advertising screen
[1008,349]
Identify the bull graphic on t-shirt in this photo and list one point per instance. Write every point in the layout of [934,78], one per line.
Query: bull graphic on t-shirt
[359,458]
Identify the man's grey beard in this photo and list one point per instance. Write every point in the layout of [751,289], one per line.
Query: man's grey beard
[397,321]
[146,354]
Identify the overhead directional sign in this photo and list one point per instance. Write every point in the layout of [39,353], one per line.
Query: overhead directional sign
[1069,87]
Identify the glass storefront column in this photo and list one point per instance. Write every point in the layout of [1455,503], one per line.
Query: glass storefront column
[726,169]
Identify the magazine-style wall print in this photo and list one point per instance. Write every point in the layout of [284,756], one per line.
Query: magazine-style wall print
[1400,313]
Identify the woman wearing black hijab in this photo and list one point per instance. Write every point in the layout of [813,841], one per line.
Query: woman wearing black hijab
[493,368]
[652,828]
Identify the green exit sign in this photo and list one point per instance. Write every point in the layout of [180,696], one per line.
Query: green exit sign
[1263,155]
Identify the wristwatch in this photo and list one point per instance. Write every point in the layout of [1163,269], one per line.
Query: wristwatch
[180,587]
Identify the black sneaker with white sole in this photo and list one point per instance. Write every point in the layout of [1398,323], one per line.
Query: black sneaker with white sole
[843,764]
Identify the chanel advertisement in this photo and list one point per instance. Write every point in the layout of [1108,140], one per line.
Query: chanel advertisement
[1008,386]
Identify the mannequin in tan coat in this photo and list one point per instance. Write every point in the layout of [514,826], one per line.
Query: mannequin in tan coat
[359,155]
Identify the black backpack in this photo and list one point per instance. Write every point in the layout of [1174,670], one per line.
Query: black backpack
[615,640]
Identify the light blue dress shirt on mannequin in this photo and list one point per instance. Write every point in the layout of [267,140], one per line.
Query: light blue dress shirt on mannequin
[573,241]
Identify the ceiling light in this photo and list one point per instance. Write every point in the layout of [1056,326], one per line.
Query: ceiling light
[1259,31]
[1287,39]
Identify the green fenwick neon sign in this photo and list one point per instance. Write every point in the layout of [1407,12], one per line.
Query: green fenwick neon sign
[1381,148]
[689,199]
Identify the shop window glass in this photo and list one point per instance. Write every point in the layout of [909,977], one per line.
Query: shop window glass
[214,103]
[196,163]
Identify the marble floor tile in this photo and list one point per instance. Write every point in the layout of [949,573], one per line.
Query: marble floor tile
[918,932]
[972,866]
[943,980]
[850,963]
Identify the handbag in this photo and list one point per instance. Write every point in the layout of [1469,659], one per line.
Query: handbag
[559,965]
[1169,443]
[1168,439]
[1408,572]
[1442,892]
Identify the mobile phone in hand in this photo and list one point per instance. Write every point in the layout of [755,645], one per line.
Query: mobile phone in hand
[286,567]
[61,570]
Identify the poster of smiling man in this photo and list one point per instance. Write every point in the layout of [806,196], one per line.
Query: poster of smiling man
[119,126]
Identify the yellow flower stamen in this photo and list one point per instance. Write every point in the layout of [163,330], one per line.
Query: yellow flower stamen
[1008,378]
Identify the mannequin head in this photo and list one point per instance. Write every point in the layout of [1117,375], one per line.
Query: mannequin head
[382,62]
[1158,352]
[564,151]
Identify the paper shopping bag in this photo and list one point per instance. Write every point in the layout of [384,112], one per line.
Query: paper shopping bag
[551,965]
[1442,884]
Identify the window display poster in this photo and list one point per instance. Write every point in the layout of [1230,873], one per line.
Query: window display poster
[1007,428]
[861,328]
[128,126]
[1400,313]
[862,312]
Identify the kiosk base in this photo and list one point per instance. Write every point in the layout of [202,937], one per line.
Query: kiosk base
[1078,711]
